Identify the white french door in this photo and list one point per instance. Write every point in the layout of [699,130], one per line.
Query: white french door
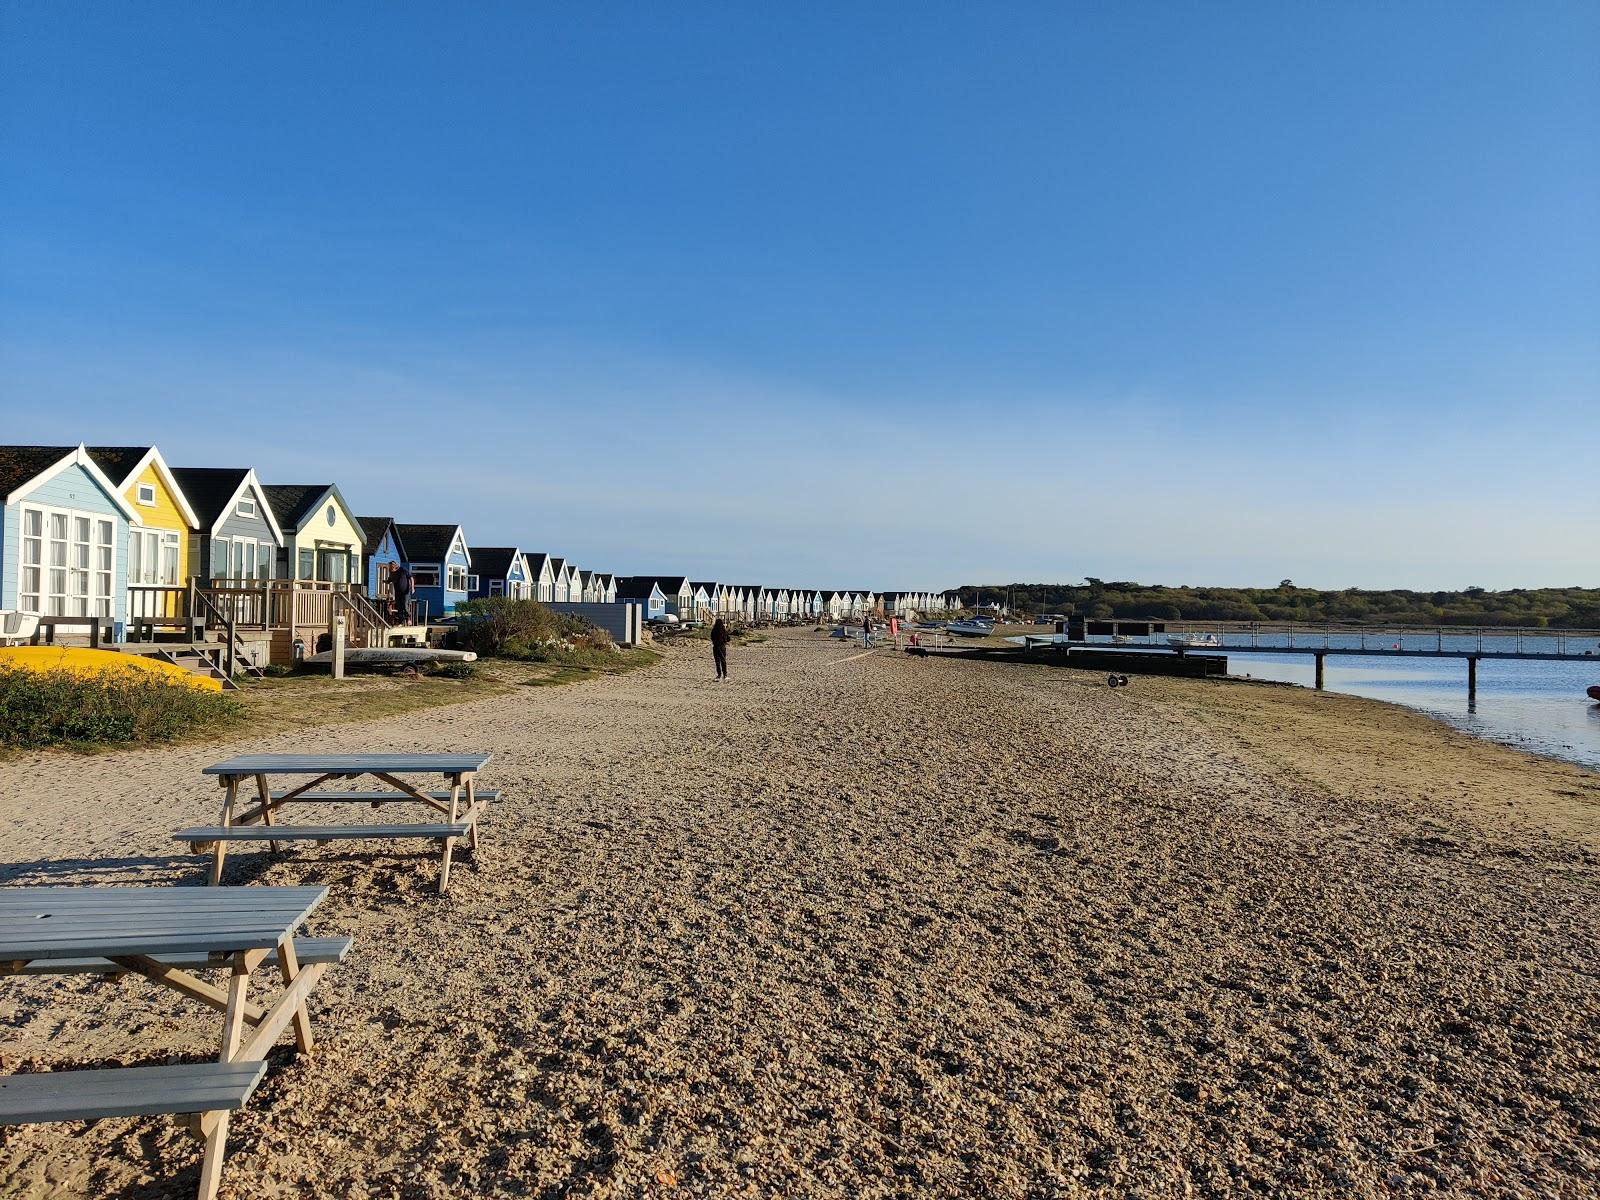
[68,562]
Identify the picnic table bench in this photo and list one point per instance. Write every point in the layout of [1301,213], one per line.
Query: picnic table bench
[461,804]
[164,935]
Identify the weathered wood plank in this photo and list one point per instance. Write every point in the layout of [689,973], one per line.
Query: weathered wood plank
[127,1091]
[355,764]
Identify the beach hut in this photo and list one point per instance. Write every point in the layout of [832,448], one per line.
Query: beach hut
[707,594]
[238,539]
[540,578]
[64,547]
[440,567]
[606,588]
[561,586]
[384,552]
[586,586]
[645,591]
[158,549]
[322,541]
[498,571]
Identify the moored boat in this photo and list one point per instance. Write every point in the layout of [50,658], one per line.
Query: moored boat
[970,628]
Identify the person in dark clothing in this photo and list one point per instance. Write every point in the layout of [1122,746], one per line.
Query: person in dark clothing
[400,586]
[866,630]
[719,647]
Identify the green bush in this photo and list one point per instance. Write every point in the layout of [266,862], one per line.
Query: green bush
[52,708]
[531,632]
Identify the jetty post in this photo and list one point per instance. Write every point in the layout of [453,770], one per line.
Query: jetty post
[1472,683]
[1321,659]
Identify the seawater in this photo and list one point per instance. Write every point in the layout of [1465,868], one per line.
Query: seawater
[1534,705]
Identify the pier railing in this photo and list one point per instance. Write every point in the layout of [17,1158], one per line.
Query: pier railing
[1485,639]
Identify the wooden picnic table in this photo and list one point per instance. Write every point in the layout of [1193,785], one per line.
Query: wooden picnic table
[166,934]
[462,804]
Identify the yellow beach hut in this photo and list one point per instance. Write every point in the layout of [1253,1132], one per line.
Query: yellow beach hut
[158,550]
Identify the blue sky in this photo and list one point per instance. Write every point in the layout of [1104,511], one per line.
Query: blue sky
[892,295]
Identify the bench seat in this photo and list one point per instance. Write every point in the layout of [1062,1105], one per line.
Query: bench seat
[127,1091]
[389,797]
[307,950]
[315,833]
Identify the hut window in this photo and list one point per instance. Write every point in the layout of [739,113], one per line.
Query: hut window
[496,587]
[247,506]
[147,495]
[456,578]
[425,576]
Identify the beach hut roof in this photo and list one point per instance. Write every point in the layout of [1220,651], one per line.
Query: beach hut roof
[292,503]
[536,563]
[493,562]
[23,465]
[213,491]
[123,463]
[431,543]
[637,587]
[375,528]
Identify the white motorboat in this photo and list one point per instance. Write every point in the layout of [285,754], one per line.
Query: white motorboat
[1195,641]
[970,629]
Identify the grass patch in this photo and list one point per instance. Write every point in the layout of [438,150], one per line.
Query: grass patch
[302,700]
[93,712]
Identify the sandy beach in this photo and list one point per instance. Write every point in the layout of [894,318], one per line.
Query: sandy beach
[870,925]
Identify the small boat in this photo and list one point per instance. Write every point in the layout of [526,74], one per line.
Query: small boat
[1195,641]
[1594,692]
[393,656]
[973,628]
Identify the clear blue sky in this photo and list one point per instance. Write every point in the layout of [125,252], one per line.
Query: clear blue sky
[887,295]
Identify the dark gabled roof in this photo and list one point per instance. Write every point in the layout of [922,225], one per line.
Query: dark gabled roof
[292,501]
[607,579]
[117,461]
[208,489]
[557,565]
[492,562]
[536,564]
[428,543]
[709,585]
[375,528]
[637,587]
[19,464]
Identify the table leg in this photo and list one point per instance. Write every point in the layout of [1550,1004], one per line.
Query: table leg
[264,790]
[215,1124]
[289,967]
[219,850]
[450,842]
[472,808]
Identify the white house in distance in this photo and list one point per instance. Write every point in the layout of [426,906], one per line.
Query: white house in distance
[540,579]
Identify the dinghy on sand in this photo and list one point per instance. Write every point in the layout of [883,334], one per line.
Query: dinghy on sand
[393,656]
[1594,692]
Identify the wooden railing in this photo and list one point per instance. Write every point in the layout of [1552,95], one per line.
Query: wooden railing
[157,604]
[296,604]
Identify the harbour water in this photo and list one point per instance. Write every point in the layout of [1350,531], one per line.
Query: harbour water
[1535,705]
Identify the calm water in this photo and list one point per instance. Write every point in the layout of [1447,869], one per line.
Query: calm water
[1538,706]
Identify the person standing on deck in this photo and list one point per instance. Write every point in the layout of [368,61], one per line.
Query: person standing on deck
[719,647]
[400,585]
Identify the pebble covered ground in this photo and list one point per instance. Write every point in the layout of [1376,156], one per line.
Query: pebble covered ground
[881,927]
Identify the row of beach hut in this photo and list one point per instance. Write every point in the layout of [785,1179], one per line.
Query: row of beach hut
[116,536]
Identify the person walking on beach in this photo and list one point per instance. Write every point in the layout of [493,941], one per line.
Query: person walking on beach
[400,585]
[719,647]
[866,630]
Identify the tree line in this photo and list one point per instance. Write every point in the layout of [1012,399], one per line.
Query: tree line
[1554,608]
